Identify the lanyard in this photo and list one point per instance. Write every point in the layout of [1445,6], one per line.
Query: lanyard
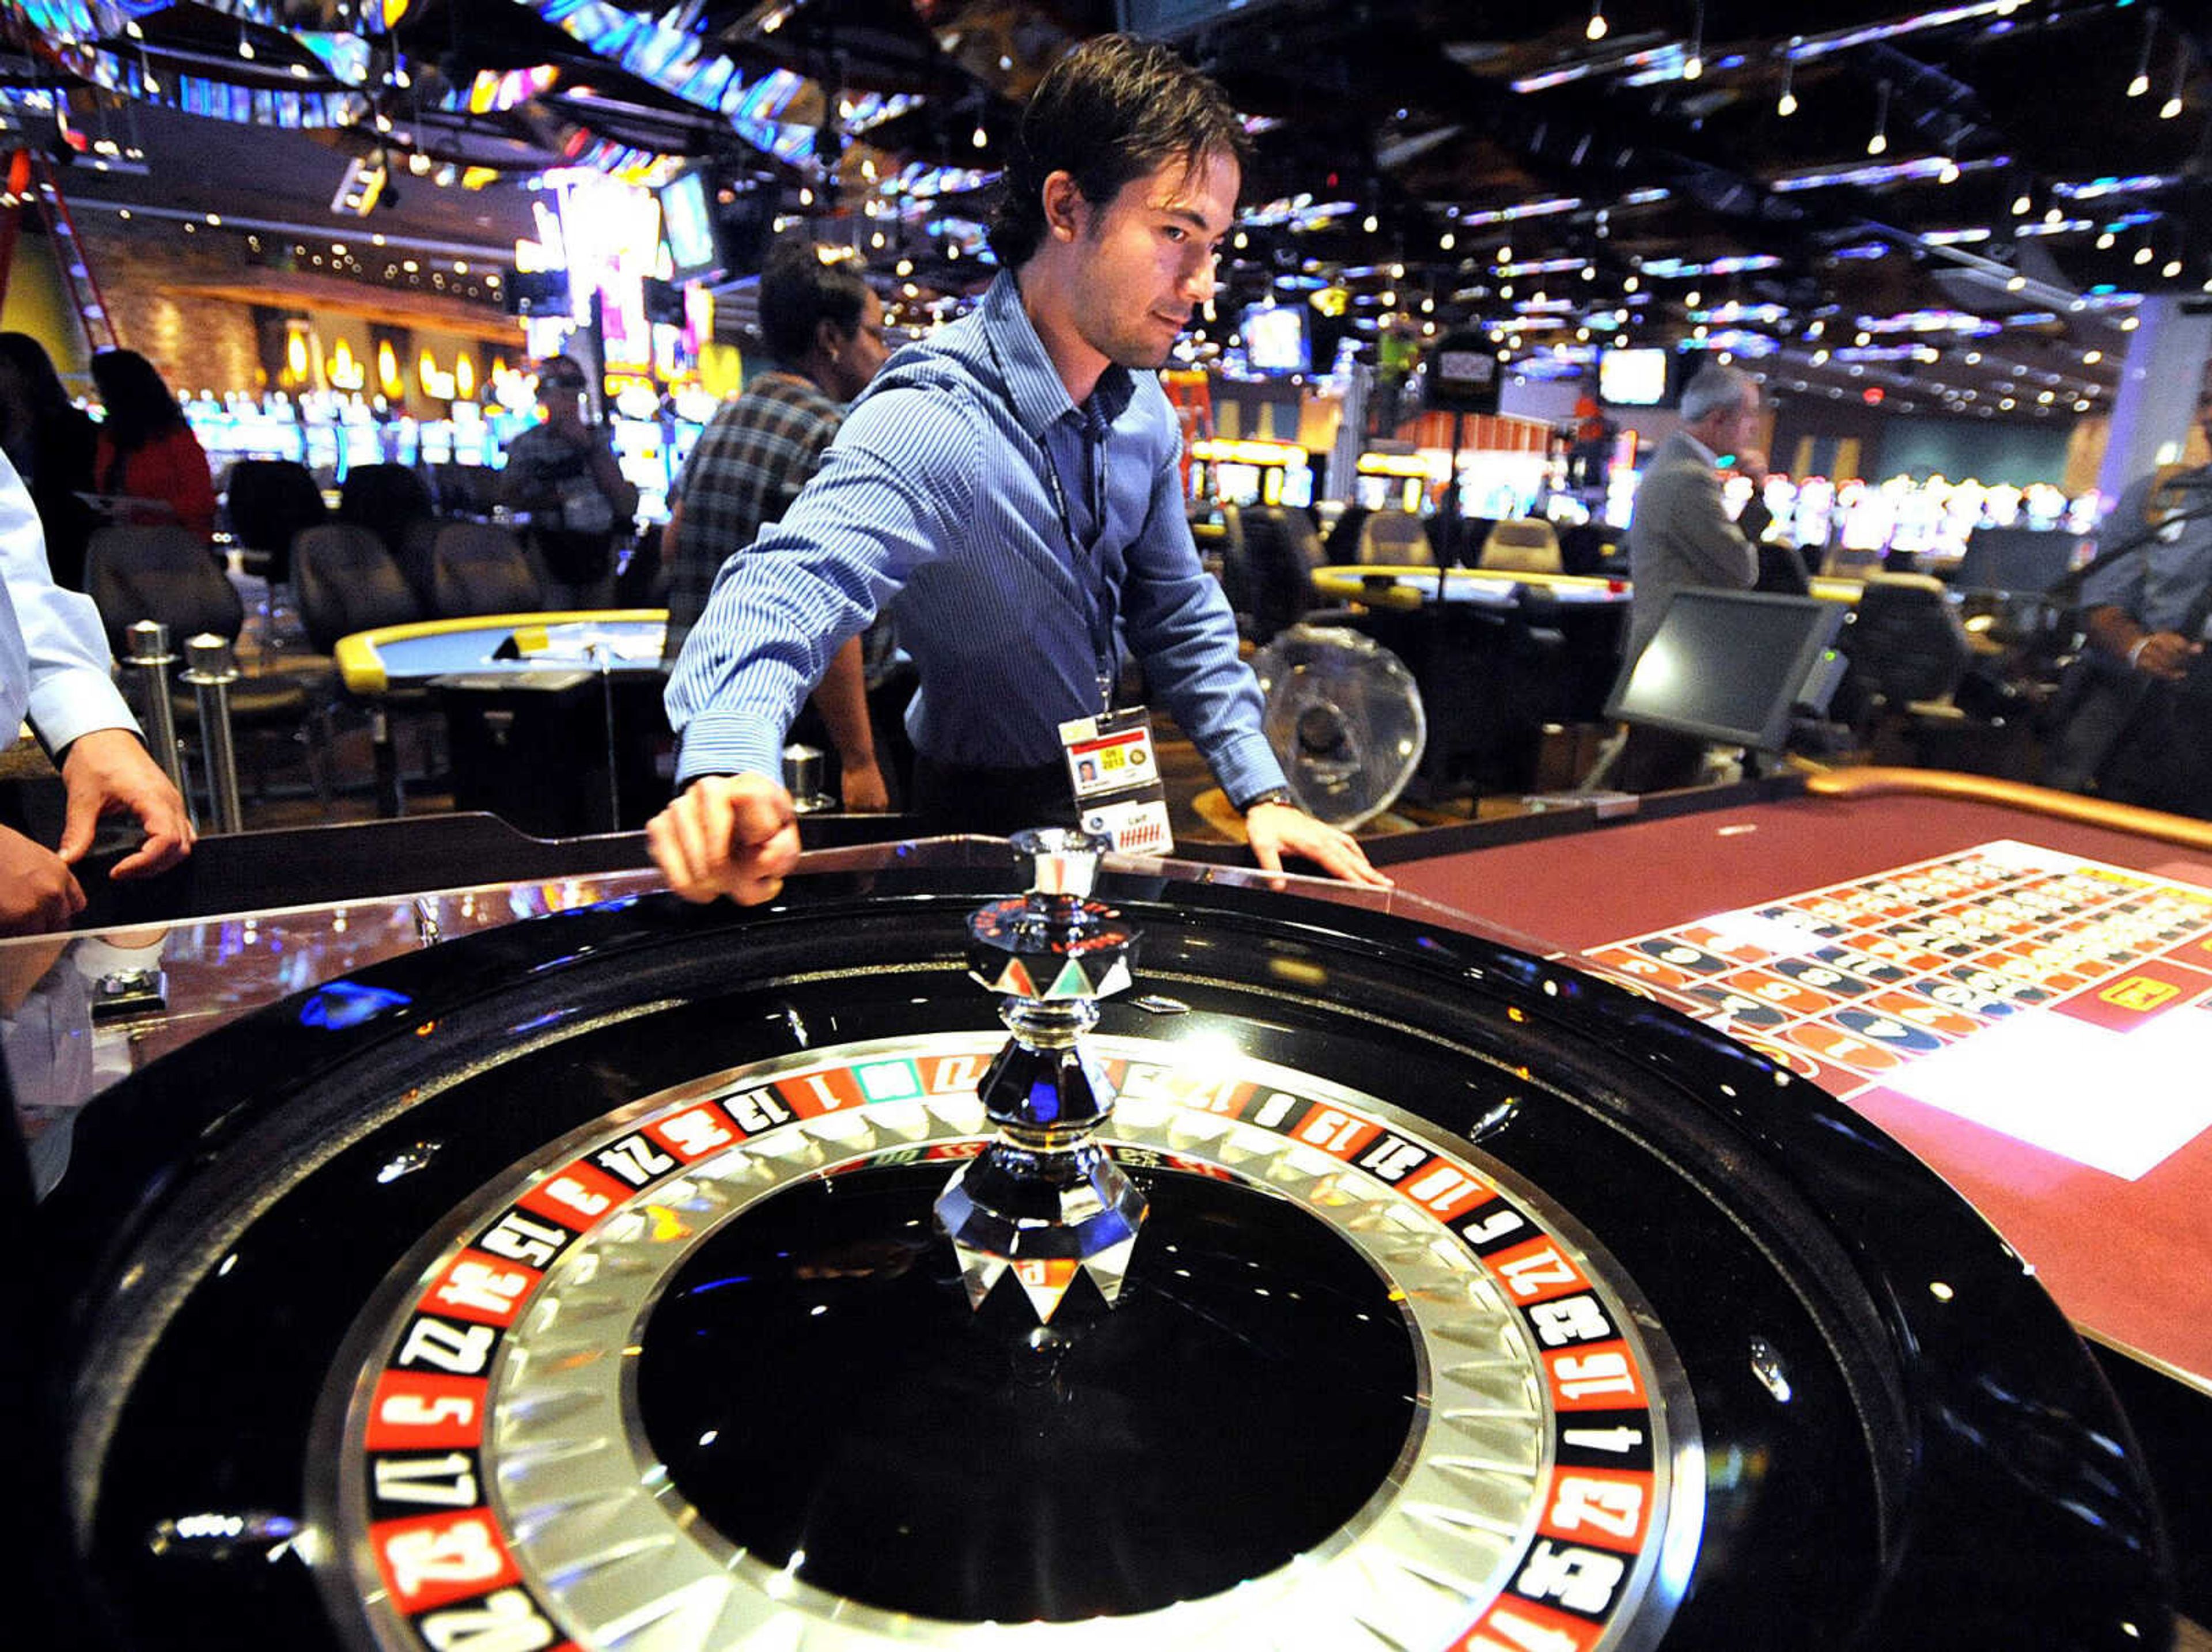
[1090,565]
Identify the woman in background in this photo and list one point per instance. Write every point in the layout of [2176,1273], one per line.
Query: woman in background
[146,449]
[49,441]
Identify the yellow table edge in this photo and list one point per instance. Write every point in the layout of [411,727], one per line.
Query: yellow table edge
[1347,581]
[361,667]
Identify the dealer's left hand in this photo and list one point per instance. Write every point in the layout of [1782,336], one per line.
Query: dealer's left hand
[1275,829]
[107,771]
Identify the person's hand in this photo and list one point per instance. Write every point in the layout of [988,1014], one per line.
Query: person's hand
[861,789]
[2167,654]
[107,771]
[38,891]
[1275,829]
[1751,463]
[733,835]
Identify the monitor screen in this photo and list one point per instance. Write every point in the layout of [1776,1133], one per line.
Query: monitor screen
[686,221]
[1727,666]
[2015,559]
[1275,338]
[1633,377]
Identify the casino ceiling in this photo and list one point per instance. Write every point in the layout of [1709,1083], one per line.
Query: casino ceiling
[1963,206]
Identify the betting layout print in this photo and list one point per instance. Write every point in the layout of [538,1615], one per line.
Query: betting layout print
[2008,984]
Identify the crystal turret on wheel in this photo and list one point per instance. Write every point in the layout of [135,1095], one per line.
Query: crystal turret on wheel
[1044,1201]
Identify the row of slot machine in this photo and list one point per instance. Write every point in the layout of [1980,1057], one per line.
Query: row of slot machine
[332,436]
[1925,519]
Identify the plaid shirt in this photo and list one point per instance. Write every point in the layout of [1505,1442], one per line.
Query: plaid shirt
[754,456]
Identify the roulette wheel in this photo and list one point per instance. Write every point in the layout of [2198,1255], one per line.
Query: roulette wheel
[1166,1260]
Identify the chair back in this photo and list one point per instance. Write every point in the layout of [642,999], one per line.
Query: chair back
[345,582]
[1524,544]
[384,498]
[1905,640]
[1280,561]
[1394,538]
[164,573]
[268,503]
[480,568]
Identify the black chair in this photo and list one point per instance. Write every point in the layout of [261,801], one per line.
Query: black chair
[163,572]
[1912,666]
[269,502]
[346,581]
[1282,550]
[385,499]
[480,568]
[416,556]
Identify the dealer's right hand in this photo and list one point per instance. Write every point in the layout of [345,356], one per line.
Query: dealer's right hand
[733,835]
[39,893]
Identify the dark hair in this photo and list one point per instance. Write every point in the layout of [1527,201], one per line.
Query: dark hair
[563,369]
[799,290]
[138,405]
[1113,108]
[43,390]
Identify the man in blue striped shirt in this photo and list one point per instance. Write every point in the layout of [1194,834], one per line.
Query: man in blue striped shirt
[1014,481]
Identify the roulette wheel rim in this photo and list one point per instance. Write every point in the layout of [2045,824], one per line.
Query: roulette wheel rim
[1623,1054]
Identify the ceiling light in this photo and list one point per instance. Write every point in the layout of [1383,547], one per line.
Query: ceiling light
[2090,358]
[2105,241]
[2021,204]
[2141,83]
[2172,108]
[1595,31]
[1692,298]
[1694,64]
[1445,240]
[1787,103]
[2142,254]
[1950,173]
[2172,267]
[2015,283]
[1880,140]
[1371,223]
[2129,323]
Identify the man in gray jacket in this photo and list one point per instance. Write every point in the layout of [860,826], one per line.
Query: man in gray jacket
[1680,537]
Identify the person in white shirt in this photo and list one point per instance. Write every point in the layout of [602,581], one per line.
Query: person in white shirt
[55,672]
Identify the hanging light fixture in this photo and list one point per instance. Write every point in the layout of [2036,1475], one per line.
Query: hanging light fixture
[2171,109]
[1597,26]
[1694,64]
[1880,141]
[2141,83]
[1786,105]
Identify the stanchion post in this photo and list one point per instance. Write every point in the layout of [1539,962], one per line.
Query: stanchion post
[149,661]
[209,668]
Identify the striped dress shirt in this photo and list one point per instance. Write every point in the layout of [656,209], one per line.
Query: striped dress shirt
[1025,539]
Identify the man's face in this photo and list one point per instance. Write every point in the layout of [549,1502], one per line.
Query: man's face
[859,355]
[1738,429]
[1149,256]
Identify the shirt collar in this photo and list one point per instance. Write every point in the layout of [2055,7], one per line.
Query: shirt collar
[1701,450]
[1033,383]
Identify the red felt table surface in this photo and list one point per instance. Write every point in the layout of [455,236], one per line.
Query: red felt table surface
[2130,1262]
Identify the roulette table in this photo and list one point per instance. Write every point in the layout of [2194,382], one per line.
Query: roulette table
[1412,587]
[585,1281]
[2032,971]
[372,663]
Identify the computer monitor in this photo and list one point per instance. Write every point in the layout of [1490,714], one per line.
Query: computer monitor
[1634,378]
[2015,559]
[1275,338]
[688,223]
[1728,666]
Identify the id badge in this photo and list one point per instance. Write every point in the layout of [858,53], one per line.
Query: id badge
[1119,794]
